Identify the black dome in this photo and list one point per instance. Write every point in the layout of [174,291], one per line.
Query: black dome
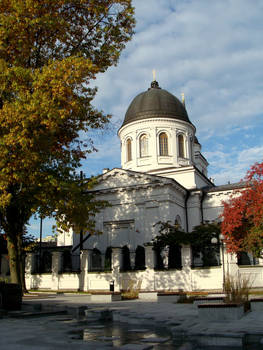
[155,103]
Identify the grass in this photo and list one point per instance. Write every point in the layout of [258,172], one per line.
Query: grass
[132,291]
[237,289]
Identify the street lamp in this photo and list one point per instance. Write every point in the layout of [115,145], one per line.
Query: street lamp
[214,240]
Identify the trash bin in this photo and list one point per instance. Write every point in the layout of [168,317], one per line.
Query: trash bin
[111,286]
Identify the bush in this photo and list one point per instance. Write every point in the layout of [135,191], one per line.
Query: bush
[132,291]
[237,289]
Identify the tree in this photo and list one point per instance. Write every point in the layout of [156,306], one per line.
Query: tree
[242,223]
[172,234]
[199,239]
[49,53]
[169,234]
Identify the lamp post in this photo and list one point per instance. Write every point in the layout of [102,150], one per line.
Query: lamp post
[214,240]
[40,245]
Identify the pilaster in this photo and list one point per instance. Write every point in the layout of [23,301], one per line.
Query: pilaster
[116,266]
[84,267]
[56,268]
[186,266]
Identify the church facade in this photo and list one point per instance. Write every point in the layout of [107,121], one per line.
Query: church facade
[163,177]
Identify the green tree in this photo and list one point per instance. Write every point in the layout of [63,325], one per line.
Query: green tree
[170,234]
[49,52]
[199,239]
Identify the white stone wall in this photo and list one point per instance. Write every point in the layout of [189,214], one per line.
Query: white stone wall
[134,211]
[185,279]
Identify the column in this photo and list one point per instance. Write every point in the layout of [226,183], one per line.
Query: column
[29,264]
[84,268]
[149,256]
[231,266]
[148,282]
[116,261]
[186,267]
[29,268]
[56,268]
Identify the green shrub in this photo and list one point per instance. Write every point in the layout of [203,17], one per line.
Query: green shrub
[3,280]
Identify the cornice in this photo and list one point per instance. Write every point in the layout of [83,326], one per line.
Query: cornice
[156,120]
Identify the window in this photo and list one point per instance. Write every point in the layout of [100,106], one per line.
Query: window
[140,258]
[245,258]
[181,146]
[96,260]
[143,145]
[163,144]
[126,262]
[128,150]
[107,264]
[206,256]
[174,257]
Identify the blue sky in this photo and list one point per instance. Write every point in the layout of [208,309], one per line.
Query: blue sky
[210,50]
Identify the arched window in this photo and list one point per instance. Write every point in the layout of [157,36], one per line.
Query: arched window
[96,260]
[181,146]
[158,259]
[174,258]
[46,262]
[143,145]
[140,258]
[67,263]
[128,150]
[163,144]
[107,264]
[126,262]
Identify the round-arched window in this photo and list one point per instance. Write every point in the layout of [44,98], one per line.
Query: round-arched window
[181,150]
[163,144]
[128,150]
[143,145]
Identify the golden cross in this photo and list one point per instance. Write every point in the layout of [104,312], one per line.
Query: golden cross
[154,77]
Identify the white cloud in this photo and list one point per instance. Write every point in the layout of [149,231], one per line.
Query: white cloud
[233,165]
[211,50]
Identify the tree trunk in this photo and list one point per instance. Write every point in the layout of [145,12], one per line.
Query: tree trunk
[14,258]
[22,263]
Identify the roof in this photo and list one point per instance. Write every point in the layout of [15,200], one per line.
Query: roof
[227,187]
[137,179]
[155,103]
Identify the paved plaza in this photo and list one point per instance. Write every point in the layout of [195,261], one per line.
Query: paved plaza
[146,324]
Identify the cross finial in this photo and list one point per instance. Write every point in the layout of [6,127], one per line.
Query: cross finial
[183,99]
[154,75]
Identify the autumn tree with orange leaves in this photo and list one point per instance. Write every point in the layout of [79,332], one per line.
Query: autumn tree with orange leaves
[50,51]
[242,223]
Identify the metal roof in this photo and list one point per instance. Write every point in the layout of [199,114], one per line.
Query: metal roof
[155,103]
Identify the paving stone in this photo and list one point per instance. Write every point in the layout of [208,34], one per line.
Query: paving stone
[110,338]
[155,340]
[138,330]
[133,346]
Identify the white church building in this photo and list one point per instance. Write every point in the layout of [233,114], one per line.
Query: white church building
[163,177]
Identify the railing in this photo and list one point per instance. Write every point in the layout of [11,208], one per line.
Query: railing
[43,263]
[70,262]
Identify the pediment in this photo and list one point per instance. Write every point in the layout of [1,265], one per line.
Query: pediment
[119,178]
